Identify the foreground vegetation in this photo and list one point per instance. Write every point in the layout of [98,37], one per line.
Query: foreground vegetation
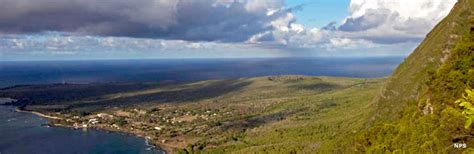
[267,114]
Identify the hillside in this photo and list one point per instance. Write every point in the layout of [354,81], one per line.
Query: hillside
[267,114]
[415,110]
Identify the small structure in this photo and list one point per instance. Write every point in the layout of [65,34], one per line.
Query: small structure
[93,121]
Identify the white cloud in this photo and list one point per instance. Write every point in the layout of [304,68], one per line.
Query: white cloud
[55,42]
[394,21]
[371,24]
[431,9]
[346,43]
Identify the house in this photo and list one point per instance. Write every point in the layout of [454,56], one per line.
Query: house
[93,121]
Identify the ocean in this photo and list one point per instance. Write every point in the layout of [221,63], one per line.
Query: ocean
[187,70]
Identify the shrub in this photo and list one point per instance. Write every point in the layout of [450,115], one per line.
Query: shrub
[468,110]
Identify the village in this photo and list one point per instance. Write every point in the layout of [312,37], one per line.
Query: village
[164,126]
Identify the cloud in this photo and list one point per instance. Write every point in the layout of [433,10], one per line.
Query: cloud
[388,21]
[58,46]
[167,26]
[60,43]
[370,24]
[345,43]
[202,20]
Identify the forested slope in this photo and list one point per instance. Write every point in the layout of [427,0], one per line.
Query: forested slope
[416,109]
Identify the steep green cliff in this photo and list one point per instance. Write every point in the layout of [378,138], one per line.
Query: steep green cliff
[415,110]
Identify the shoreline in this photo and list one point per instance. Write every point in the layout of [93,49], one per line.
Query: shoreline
[148,141]
[38,114]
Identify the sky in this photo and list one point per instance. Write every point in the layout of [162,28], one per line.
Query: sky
[151,29]
[319,13]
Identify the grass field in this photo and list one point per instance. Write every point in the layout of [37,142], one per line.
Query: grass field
[270,114]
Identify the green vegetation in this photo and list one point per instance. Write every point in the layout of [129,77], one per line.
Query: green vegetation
[268,114]
[468,110]
[416,111]
[317,122]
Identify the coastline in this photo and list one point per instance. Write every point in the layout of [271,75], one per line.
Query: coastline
[38,114]
[148,141]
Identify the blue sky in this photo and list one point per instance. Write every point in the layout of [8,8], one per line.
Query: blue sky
[123,29]
[318,13]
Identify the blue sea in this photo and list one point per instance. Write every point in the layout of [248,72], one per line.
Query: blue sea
[23,133]
[186,70]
